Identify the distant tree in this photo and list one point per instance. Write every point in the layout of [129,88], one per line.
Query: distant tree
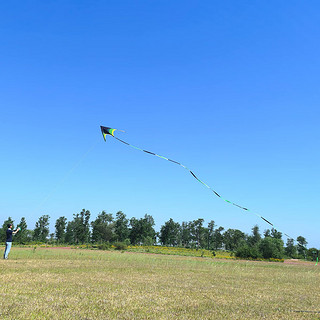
[246,250]
[276,234]
[255,237]
[217,239]
[209,234]
[169,233]
[271,248]
[302,243]
[78,230]
[121,226]
[23,236]
[142,230]
[197,233]
[290,249]
[267,233]
[232,237]
[185,234]
[148,232]
[60,229]
[3,230]
[41,230]
[29,235]
[148,241]
[312,254]
[103,228]
[70,233]
[81,226]
[135,231]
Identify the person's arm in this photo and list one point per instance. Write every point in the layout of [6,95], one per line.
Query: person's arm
[15,231]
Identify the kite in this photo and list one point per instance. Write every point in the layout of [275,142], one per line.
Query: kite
[110,131]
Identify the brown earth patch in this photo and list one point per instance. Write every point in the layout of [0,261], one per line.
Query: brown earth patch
[66,248]
[299,262]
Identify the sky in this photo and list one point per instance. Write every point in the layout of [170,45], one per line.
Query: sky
[228,88]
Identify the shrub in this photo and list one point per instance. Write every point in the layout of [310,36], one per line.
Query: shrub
[120,246]
[246,251]
[148,241]
[312,254]
[104,246]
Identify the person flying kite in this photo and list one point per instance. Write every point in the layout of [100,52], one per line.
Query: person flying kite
[9,235]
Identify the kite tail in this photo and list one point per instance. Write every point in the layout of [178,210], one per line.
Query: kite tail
[216,193]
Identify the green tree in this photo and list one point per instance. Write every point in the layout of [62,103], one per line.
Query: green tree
[255,237]
[210,234]
[60,229]
[121,227]
[23,236]
[271,248]
[290,249]
[70,233]
[169,233]
[232,237]
[78,230]
[81,226]
[103,228]
[245,250]
[312,254]
[197,233]
[267,233]
[148,232]
[135,231]
[3,231]
[185,234]
[276,234]
[41,230]
[302,243]
[142,230]
[217,238]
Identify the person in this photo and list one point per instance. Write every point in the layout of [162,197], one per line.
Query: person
[10,232]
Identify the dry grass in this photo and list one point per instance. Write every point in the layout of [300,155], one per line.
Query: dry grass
[84,284]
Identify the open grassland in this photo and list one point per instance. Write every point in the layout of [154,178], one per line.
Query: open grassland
[86,284]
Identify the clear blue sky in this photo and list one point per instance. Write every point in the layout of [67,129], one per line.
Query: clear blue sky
[228,88]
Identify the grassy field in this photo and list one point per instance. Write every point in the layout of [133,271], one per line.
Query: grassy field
[86,284]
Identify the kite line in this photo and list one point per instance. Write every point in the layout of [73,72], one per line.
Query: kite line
[66,175]
[110,131]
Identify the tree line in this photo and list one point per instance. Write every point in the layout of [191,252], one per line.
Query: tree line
[192,234]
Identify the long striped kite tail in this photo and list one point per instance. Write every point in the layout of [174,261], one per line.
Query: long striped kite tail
[109,131]
[173,161]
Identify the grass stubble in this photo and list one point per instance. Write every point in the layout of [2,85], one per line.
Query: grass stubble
[86,284]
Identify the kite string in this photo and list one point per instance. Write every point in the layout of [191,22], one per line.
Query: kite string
[66,175]
[185,167]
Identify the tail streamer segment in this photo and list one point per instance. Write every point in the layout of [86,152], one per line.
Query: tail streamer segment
[110,131]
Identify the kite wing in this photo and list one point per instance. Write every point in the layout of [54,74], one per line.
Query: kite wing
[107,131]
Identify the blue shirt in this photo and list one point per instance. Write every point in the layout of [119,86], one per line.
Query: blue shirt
[9,235]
